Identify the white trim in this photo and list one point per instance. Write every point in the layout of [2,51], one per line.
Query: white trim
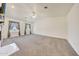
[51,36]
[73,47]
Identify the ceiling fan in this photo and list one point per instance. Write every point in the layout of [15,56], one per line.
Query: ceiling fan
[34,14]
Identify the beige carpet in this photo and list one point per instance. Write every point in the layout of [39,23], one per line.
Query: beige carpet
[37,45]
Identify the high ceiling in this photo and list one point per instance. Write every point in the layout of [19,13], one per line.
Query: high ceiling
[41,9]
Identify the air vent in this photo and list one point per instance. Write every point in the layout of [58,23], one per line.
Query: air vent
[45,7]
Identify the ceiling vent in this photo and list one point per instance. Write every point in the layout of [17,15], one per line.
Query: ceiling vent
[45,7]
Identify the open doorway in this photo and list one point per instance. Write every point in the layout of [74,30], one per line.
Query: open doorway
[14,29]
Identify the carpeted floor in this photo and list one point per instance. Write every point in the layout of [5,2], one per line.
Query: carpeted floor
[37,45]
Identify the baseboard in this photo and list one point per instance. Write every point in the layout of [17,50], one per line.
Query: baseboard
[73,47]
[51,36]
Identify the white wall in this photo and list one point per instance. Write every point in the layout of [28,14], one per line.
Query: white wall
[13,15]
[22,28]
[5,29]
[51,26]
[45,24]
[73,27]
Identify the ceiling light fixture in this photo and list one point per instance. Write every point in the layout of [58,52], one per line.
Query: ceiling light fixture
[34,12]
[34,15]
[12,6]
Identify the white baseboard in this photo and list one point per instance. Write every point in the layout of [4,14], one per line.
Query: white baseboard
[52,36]
[73,47]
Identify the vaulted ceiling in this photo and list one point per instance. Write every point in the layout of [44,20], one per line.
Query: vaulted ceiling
[21,10]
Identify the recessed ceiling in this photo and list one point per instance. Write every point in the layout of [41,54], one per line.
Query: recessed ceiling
[43,9]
